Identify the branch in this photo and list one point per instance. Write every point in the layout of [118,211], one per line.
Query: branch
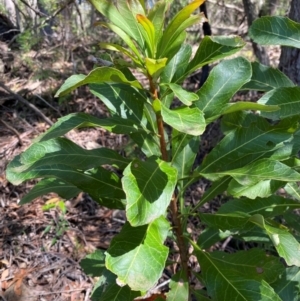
[27,103]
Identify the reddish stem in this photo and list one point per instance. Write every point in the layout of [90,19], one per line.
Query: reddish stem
[177,226]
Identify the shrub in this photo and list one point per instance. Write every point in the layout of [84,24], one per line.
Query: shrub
[257,156]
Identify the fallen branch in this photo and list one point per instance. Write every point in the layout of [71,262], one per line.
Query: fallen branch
[27,103]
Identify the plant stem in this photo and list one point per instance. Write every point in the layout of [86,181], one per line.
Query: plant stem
[177,226]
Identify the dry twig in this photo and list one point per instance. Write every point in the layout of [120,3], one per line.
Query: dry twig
[27,103]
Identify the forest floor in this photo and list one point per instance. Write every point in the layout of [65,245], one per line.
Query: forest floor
[40,248]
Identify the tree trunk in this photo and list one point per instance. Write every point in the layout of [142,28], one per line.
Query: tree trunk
[251,11]
[290,57]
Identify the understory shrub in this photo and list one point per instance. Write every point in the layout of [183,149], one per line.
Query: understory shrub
[256,158]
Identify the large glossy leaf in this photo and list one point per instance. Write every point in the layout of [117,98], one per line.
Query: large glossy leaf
[148,142]
[247,105]
[123,50]
[241,276]
[80,120]
[102,185]
[122,100]
[157,16]
[94,264]
[64,151]
[63,189]
[291,219]
[179,288]
[261,189]
[293,190]
[260,170]
[149,187]
[212,49]
[123,36]
[185,119]
[179,23]
[155,67]
[106,289]
[287,98]
[137,255]
[268,207]
[129,13]
[250,138]
[265,78]
[230,75]
[148,33]
[275,31]
[96,76]
[183,95]
[177,65]
[284,242]
[233,221]
[184,150]
[287,286]
[121,17]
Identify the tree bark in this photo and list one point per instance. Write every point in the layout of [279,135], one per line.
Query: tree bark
[290,57]
[251,11]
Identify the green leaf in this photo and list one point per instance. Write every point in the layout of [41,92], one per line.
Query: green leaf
[179,288]
[275,31]
[287,286]
[149,187]
[129,14]
[284,242]
[292,221]
[137,255]
[177,65]
[102,185]
[96,76]
[174,48]
[240,276]
[210,236]
[148,33]
[121,100]
[155,67]
[230,75]
[106,289]
[185,119]
[149,143]
[257,171]
[201,295]
[217,187]
[212,49]
[232,221]
[266,78]
[79,120]
[123,36]
[245,105]
[184,151]
[251,138]
[118,48]
[267,207]
[261,189]
[121,17]
[94,264]
[293,190]
[287,98]
[179,23]
[183,95]
[64,151]
[63,189]
[157,17]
